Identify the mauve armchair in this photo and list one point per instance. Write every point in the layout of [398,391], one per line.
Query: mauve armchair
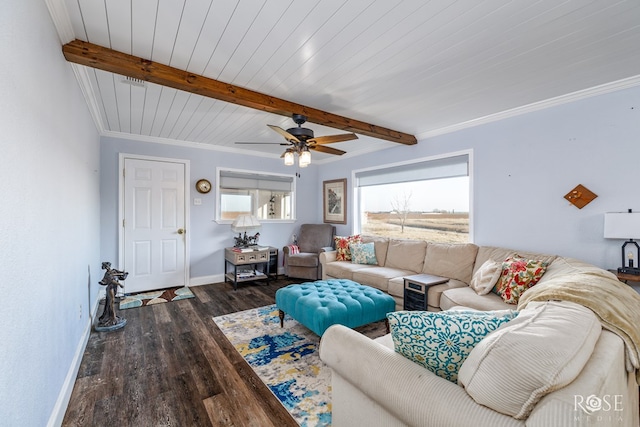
[312,239]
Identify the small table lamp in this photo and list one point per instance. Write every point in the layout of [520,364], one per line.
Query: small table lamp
[244,223]
[624,225]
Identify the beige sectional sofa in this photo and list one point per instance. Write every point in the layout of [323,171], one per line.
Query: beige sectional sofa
[398,258]
[375,386]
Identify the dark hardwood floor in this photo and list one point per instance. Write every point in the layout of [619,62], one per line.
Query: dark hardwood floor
[171,366]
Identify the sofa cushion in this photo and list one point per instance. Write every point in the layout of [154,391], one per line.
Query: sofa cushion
[381,245]
[467,297]
[377,276]
[518,275]
[500,254]
[486,253]
[385,340]
[540,351]
[343,269]
[485,278]
[406,254]
[441,341]
[343,251]
[363,253]
[454,261]
[582,402]
[396,287]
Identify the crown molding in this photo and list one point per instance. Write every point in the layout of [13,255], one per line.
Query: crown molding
[61,21]
[187,144]
[536,106]
[82,76]
[60,16]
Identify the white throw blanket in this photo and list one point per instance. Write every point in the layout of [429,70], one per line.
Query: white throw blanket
[616,304]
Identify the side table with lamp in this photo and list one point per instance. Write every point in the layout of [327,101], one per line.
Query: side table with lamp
[625,226]
[248,261]
[247,265]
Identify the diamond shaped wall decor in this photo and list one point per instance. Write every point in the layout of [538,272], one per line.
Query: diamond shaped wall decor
[580,196]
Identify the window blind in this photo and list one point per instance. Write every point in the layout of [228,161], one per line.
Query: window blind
[240,180]
[449,167]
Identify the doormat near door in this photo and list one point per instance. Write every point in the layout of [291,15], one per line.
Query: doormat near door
[155,297]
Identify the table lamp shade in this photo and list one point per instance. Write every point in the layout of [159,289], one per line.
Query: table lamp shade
[622,225]
[245,223]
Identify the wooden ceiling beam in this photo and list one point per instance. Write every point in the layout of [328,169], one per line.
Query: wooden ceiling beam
[106,59]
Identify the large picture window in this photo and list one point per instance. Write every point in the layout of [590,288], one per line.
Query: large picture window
[267,196]
[427,199]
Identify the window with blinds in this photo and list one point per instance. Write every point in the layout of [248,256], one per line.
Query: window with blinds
[426,199]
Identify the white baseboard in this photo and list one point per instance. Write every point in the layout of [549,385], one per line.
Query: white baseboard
[60,408]
[206,280]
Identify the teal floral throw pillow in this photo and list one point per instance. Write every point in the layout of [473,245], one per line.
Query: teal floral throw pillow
[441,341]
[363,253]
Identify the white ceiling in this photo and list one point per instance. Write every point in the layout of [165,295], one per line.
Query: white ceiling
[416,66]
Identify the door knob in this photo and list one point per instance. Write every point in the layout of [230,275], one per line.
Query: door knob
[181,230]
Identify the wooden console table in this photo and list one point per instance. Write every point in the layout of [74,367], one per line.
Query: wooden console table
[254,261]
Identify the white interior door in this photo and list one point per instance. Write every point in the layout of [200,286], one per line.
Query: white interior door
[154,241]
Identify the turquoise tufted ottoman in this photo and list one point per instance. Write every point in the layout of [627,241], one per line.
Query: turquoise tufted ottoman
[318,305]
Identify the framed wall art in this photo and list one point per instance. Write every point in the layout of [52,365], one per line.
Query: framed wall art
[334,196]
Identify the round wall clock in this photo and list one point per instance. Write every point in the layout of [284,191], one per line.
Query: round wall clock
[203,186]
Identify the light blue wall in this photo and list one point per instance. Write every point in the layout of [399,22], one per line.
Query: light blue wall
[524,165]
[207,238]
[49,219]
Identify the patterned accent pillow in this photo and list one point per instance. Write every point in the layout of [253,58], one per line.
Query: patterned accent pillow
[441,341]
[342,246]
[518,275]
[363,253]
[486,277]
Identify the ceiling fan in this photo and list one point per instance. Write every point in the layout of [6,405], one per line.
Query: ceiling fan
[300,140]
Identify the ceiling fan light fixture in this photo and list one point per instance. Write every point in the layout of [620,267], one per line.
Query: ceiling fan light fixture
[305,158]
[288,158]
[300,140]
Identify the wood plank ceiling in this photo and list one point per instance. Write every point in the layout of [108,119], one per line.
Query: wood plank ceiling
[419,67]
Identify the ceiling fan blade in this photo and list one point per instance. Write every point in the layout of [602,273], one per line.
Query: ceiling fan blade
[327,150]
[329,139]
[284,133]
[264,143]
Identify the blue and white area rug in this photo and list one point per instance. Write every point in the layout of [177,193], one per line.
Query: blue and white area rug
[286,360]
